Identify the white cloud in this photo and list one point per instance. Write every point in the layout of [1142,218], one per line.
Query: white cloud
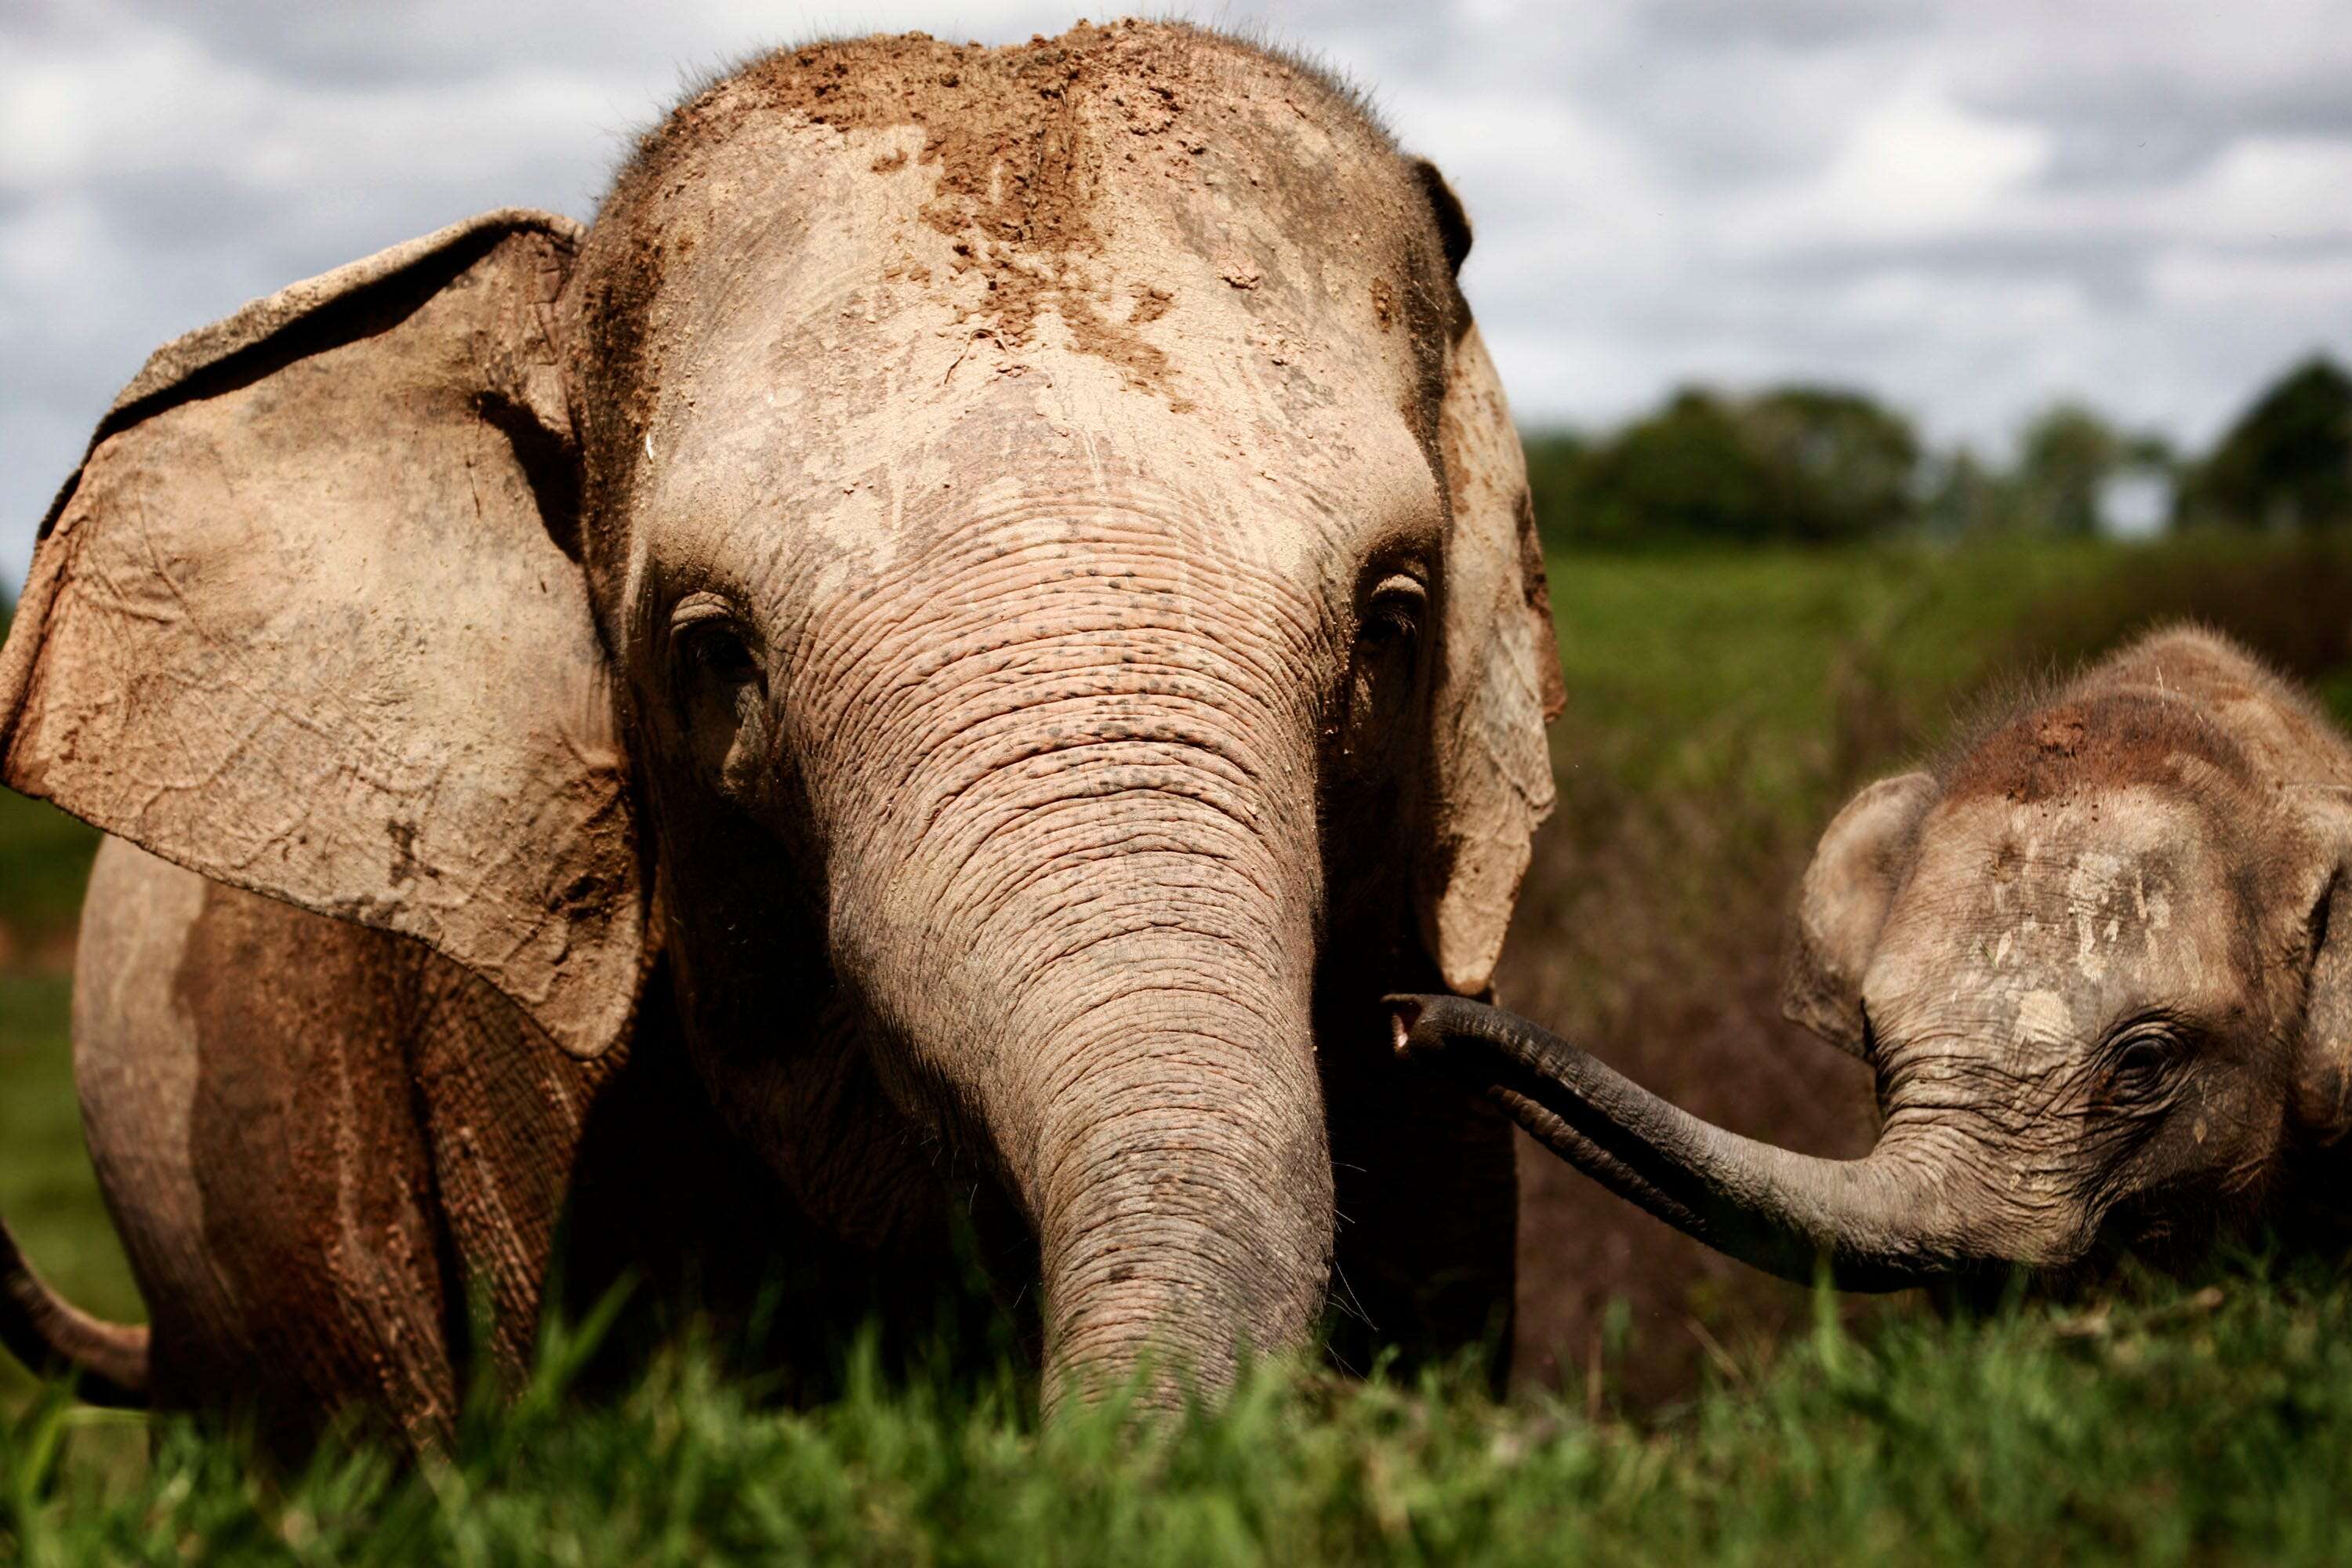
[1972,205]
[1918,164]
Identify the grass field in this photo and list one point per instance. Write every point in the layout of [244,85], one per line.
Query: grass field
[2199,1428]
[1721,706]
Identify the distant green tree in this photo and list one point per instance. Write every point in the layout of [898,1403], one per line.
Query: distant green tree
[1966,495]
[2066,456]
[1806,464]
[1684,472]
[1556,460]
[2287,462]
[1846,462]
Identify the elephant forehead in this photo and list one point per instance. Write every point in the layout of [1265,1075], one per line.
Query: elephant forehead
[836,375]
[1020,475]
[858,233]
[2044,922]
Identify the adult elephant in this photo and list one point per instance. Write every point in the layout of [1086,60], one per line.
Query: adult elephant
[988,604]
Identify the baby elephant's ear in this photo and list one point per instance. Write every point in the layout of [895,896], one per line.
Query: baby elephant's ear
[2323,1079]
[1844,902]
[307,621]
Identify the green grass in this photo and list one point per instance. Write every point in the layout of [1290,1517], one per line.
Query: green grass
[1750,690]
[1750,670]
[44,861]
[2194,1429]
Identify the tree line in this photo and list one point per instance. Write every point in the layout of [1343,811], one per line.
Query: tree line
[1826,464]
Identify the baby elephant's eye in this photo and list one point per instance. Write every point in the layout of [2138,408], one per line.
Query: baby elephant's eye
[2140,1063]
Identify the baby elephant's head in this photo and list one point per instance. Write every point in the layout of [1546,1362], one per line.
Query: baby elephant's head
[2100,961]
[2090,960]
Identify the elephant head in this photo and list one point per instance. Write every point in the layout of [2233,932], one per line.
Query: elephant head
[2097,961]
[989,574]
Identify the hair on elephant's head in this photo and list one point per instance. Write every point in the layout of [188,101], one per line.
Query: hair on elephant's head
[2097,960]
[998,568]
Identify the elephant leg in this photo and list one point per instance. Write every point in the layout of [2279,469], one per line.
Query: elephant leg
[1428,1205]
[135,1072]
[575,1180]
[255,1129]
[780,1272]
[505,1111]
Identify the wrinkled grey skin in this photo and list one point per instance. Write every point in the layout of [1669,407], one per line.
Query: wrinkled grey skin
[988,605]
[2099,961]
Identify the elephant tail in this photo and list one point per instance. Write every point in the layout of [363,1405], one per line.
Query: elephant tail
[44,1330]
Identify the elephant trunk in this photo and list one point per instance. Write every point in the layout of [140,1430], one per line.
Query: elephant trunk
[1087,930]
[1150,1100]
[1884,1222]
[1180,1182]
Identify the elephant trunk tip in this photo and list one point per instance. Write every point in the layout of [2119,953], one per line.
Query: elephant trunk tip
[1421,1028]
[1404,1014]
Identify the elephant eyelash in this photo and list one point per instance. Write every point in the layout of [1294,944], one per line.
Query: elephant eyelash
[1385,626]
[1394,614]
[2140,1059]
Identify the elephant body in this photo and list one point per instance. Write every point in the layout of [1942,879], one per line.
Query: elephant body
[935,662]
[2097,959]
[334,1157]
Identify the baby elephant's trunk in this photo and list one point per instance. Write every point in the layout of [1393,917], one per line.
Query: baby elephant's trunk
[1880,1223]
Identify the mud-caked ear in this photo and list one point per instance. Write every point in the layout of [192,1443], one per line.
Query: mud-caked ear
[1843,902]
[308,621]
[2322,1099]
[1497,682]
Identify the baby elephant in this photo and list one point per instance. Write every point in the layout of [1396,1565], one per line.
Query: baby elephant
[2100,961]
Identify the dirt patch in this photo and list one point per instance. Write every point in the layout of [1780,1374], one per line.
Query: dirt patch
[1038,161]
[2098,741]
[1021,141]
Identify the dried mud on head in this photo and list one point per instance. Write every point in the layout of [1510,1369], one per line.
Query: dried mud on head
[1025,144]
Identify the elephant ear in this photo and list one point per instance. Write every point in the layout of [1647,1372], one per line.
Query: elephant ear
[1843,904]
[2322,1073]
[305,622]
[1498,681]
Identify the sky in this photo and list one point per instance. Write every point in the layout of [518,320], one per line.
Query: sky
[1970,208]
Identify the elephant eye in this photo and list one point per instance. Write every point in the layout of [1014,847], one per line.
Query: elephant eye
[1381,671]
[2140,1063]
[721,688]
[721,685]
[710,644]
[1392,620]
[718,652]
